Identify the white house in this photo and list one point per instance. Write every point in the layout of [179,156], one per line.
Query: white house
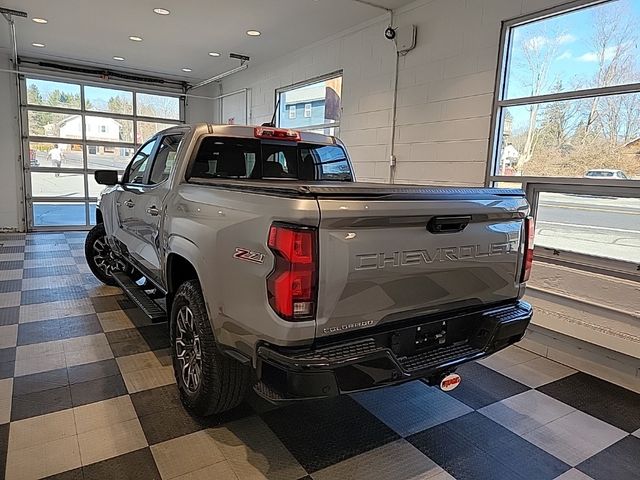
[98,128]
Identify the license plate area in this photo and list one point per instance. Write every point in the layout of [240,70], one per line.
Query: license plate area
[410,341]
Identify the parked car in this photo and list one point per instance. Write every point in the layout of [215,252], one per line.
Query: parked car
[606,173]
[281,273]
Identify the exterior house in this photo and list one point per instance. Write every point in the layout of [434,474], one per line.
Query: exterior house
[98,128]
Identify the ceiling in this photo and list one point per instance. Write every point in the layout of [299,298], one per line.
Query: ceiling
[93,32]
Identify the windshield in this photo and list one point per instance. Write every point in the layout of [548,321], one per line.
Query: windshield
[241,158]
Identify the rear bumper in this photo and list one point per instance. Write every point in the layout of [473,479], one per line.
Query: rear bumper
[389,356]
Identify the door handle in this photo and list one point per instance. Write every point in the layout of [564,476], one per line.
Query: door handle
[153,211]
[129,203]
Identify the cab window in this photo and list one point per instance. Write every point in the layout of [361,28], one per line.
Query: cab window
[165,158]
[139,164]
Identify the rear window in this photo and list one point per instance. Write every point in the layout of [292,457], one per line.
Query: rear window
[239,158]
[599,174]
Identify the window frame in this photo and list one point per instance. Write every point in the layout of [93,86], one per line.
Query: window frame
[500,102]
[160,140]
[85,167]
[282,90]
[150,157]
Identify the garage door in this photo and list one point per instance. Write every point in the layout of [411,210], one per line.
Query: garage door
[73,129]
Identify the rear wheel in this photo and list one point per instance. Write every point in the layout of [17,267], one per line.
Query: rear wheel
[100,257]
[209,381]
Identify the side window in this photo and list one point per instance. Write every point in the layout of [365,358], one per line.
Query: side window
[138,166]
[165,158]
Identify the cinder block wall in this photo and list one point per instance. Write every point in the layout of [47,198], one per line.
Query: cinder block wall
[445,88]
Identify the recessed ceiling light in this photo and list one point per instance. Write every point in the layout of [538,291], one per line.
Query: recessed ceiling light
[161,11]
[186,70]
[133,38]
[40,20]
[39,45]
[120,59]
[254,33]
[214,54]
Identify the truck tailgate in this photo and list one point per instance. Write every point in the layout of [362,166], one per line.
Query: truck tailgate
[412,253]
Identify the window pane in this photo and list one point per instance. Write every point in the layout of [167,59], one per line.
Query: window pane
[571,138]
[109,129]
[601,226]
[53,94]
[58,214]
[92,213]
[317,104]
[61,155]
[106,157]
[159,106]
[147,130]
[587,48]
[61,125]
[44,184]
[99,99]
[94,187]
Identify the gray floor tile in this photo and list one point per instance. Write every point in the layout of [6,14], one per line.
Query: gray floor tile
[537,372]
[526,411]
[412,407]
[575,437]
[574,474]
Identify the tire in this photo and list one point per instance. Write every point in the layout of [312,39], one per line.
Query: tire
[99,255]
[222,382]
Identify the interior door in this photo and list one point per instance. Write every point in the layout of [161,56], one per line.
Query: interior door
[149,209]
[129,194]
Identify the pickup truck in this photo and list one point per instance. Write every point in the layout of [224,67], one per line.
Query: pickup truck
[277,271]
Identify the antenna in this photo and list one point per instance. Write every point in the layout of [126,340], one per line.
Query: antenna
[272,123]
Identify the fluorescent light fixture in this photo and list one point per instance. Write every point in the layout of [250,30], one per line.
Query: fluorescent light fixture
[253,33]
[40,20]
[214,54]
[39,45]
[161,11]
[187,70]
[134,38]
[120,59]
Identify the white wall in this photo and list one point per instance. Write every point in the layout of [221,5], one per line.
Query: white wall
[445,88]
[198,110]
[10,193]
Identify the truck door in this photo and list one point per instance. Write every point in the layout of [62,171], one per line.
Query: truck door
[127,196]
[149,210]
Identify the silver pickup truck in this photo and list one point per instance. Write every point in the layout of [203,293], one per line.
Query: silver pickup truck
[277,271]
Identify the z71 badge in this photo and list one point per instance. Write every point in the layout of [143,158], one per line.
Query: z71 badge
[248,255]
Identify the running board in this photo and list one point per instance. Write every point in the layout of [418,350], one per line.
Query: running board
[140,298]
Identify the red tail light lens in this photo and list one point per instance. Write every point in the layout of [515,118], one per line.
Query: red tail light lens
[277,134]
[529,237]
[291,285]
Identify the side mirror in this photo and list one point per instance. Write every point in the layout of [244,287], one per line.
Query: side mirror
[106,177]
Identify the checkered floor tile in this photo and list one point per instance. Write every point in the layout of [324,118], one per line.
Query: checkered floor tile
[87,392]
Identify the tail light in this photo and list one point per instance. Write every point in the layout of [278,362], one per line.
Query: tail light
[529,235]
[277,134]
[292,284]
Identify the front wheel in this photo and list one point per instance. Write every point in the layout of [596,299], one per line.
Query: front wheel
[209,381]
[100,258]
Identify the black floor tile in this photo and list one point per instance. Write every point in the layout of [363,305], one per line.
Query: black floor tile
[7,369]
[322,433]
[138,465]
[39,332]
[7,354]
[608,402]
[39,382]
[97,390]
[46,295]
[11,265]
[475,447]
[156,336]
[4,445]
[126,342]
[40,403]
[80,326]
[156,400]
[52,240]
[46,255]
[482,386]
[9,315]
[621,461]
[92,371]
[8,286]
[11,248]
[106,304]
[50,271]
